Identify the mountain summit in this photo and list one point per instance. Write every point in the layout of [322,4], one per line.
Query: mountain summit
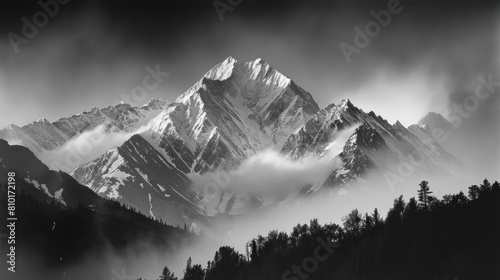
[235,110]
[433,121]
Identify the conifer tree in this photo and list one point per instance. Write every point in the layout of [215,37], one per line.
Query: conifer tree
[424,194]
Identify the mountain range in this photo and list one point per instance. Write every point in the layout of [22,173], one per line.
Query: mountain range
[237,110]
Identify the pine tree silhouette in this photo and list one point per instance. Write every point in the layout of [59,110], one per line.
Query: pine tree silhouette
[424,194]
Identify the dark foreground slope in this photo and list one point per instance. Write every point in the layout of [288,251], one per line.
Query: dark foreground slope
[62,224]
[51,239]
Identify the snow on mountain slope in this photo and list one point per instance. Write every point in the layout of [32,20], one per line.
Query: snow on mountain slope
[235,110]
[137,175]
[375,145]
[42,136]
[37,136]
[35,179]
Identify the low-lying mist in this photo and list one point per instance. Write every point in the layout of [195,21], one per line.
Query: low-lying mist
[269,176]
[85,147]
[146,260]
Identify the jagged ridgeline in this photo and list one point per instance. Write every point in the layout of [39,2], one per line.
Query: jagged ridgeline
[236,111]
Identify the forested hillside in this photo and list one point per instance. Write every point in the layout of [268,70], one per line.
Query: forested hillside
[456,237]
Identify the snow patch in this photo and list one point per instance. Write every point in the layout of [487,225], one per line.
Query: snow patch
[151,207]
[58,196]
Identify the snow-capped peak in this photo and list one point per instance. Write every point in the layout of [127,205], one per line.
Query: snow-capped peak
[256,70]
[43,137]
[222,71]
[41,120]
[155,104]
[10,127]
[345,104]
[237,108]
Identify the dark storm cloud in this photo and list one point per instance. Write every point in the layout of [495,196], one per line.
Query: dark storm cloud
[91,52]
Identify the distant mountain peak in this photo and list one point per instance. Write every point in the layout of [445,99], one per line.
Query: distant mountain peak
[155,104]
[42,120]
[374,144]
[432,116]
[435,120]
[11,127]
[43,135]
[398,124]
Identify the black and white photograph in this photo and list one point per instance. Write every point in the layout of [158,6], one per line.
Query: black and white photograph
[250,139]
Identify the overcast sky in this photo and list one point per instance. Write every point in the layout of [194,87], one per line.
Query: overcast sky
[427,58]
[92,52]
